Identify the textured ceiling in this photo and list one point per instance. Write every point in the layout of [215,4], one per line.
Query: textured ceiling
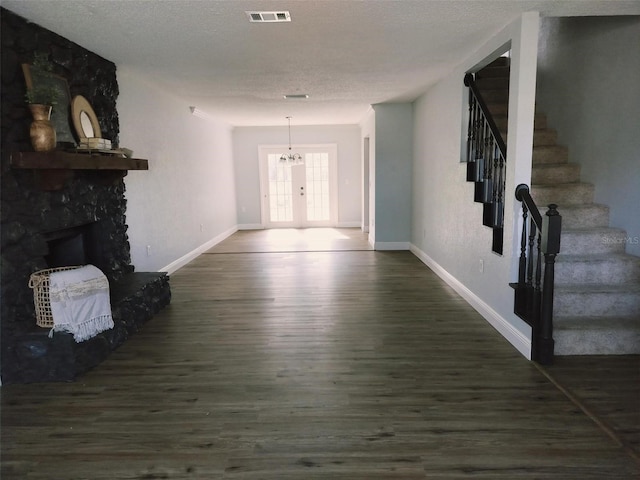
[346,54]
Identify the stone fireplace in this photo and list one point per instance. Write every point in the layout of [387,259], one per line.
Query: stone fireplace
[75,245]
[82,222]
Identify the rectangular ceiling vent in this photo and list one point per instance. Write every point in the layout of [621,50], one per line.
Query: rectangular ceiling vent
[268,17]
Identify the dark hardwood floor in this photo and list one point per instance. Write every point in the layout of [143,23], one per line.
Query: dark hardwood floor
[607,389]
[312,365]
[294,240]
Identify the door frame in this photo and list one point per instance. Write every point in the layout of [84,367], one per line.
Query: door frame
[331,148]
[366,183]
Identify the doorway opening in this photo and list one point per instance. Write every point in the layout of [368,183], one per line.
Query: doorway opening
[299,196]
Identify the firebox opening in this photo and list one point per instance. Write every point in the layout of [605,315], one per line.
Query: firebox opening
[71,246]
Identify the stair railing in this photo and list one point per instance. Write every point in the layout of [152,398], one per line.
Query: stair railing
[486,162]
[534,290]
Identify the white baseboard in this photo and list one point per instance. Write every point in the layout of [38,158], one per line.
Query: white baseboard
[392,246]
[515,337]
[182,261]
[348,225]
[250,226]
[259,226]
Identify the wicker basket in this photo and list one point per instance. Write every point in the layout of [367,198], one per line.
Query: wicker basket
[39,282]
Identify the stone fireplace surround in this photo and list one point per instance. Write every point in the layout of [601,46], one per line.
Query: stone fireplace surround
[29,215]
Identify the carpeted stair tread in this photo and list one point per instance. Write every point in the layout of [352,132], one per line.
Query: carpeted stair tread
[544,137]
[597,335]
[555,173]
[498,108]
[543,154]
[596,240]
[495,95]
[609,268]
[588,215]
[597,300]
[588,288]
[598,321]
[595,286]
[502,122]
[573,193]
[597,290]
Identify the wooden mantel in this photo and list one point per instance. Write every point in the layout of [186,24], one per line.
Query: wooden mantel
[59,159]
[53,169]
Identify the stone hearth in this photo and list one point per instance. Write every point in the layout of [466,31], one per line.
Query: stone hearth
[34,357]
[30,215]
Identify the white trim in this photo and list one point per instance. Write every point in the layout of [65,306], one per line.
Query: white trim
[392,246]
[250,226]
[332,150]
[355,224]
[182,261]
[515,337]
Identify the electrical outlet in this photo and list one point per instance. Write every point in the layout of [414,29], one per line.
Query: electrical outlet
[201,227]
[148,250]
[481,266]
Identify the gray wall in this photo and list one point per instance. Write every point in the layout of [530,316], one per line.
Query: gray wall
[247,175]
[187,198]
[589,87]
[447,231]
[393,159]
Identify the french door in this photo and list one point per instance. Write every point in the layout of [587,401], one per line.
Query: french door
[299,196]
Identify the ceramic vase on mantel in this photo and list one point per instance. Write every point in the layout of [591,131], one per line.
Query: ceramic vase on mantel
[43,135]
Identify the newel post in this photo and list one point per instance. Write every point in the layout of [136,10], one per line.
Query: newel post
[551,229]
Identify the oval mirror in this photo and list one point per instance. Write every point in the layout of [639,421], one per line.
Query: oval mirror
[84,119]
[87,127]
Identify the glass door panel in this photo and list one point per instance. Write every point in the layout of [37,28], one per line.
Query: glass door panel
[318,188]
[299,196]
[280,190]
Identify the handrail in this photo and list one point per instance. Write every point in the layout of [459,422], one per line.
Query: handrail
[550,227]
[523,195]
[533,303]
[486,163]
[470,82]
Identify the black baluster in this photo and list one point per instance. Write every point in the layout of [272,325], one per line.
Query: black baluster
[498,206]
[537,292]
[535,308]
[520,306]
[492,204]
[532,236]
[487,188]
[522,268]
[530,273]
[470,139]
[481,160]
[478,143]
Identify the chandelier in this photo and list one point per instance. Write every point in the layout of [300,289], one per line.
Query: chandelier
[291,158]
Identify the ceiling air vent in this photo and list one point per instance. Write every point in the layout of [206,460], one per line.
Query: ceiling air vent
[268,17]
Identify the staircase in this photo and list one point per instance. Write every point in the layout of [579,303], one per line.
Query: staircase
[597,287]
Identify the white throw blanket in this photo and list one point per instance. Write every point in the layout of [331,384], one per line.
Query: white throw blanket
[80,302]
